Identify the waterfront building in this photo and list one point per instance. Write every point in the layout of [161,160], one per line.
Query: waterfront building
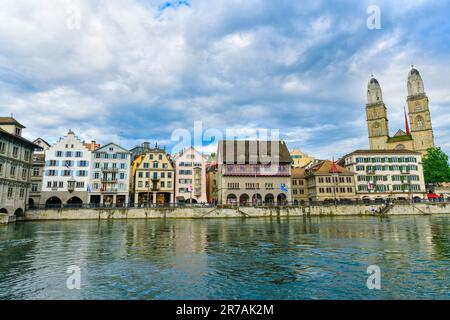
[190,176]
[253,172]
[67,171]
[300,159]
[110,177]
[15,167]
[387,174]
[323,181]
[152,179]
[91,146]
[419,138]
[211,182]
[37,172]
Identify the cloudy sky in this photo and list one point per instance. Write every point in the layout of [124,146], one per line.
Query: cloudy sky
[137,70]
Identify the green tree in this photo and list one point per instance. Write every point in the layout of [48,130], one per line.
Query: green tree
[435,167]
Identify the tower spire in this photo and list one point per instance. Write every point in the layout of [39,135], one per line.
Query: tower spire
[406,123]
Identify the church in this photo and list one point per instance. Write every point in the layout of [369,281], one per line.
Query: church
[418,134]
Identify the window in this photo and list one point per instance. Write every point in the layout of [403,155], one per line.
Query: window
[419,122]
[10,192]
[22,193]
[83,163]
[96,175]
[34,188]
[155,165]
[80,185]
[27,155]
[82,173]
[59,154]
[163,175]
[140,174]
[12,171]
[1,169]
[160,157]
[162,184]
[49,184]
[78,154]
[66,173]
[61,184]
[2,147]
[24,174]
[233,186]
[69,154]
[97,165]
[15,152]
[169,175]
[122,166]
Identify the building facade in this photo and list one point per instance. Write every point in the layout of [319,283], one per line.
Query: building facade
[37,172]
[300,159]
[15,169]
[387,174]
[110,176]
[211,182]
[253,172]
[323,181]
[153,178]
[418,134]
[190,176]
[66,174]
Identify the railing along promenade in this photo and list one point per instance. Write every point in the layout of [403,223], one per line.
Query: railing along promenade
[126,206]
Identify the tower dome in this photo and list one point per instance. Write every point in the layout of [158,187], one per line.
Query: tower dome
[415,83]
[374,94]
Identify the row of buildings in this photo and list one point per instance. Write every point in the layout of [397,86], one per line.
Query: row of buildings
[72,172]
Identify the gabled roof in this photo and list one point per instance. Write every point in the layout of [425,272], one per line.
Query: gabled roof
[400,133]
[36,141]
[252,152]
[327,167]
[10,121]
[104,148]
[20,138]
[299,173]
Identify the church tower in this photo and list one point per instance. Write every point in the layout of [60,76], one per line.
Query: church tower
[419,113]
[377,121]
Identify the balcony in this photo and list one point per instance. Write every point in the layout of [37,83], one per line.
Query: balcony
[109,180]
[110,170]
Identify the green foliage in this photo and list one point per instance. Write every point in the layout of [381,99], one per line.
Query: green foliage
[435,166]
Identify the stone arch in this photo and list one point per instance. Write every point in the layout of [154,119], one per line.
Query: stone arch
[53,202]
[19,212]
[3,210]
[281,199]
[231,199]
[400,147]
[257,198]
[30,202]
[269,199]
[75,202]
[244,199]
[193,201]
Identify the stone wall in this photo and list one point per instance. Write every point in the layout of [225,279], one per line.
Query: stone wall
[241,212]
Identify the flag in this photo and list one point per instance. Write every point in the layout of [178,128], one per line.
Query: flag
[283,187]
[406,123]
[68,164]
[191,188]
[371,186]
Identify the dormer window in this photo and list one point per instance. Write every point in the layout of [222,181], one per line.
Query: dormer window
[18,131]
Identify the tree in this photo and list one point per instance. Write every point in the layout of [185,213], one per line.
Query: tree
[435,167]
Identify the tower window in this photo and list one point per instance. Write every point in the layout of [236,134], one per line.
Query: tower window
[419,122]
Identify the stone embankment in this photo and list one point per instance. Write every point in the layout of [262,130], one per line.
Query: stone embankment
[233,212]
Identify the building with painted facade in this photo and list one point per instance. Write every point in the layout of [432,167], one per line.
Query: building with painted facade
[67,172]
[153,177]
[253,172]
[15,168]
[110,175]
[190,176]
[387,174]
[300,159]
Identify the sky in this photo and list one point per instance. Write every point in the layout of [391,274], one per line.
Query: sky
[132,70]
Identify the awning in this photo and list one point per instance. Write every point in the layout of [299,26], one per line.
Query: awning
[432,196]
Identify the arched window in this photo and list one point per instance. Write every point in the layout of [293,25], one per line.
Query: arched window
[420,122]
[418,107]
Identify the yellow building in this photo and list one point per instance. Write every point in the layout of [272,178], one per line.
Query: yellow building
[153,178]
[419,138]
[300,159]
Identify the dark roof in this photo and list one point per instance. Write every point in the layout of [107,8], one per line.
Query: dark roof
[400,133]
[10,121]
[20,138]
[245,152]
[326,167]
[386,151]
[414,71]
[373,81]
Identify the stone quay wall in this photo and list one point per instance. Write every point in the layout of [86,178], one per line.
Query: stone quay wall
[235,212]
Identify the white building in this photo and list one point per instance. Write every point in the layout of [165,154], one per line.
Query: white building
[110,177]
[66,173]
[15,166]
[387,174]
[190,175]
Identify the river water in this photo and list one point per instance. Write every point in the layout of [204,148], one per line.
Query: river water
[301,258]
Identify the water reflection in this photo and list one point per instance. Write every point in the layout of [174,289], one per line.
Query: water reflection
[302,258]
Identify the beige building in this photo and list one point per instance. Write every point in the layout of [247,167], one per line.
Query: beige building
[323,181]
[253,172]
[300,159]
[152,179]
[37,173]
[16,158]
[387,174]
[211,182]
[418,134]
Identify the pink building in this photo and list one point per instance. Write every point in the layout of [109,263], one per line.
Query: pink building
[190,176]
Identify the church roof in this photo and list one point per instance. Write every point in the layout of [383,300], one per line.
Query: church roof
[400,133]
[414,71]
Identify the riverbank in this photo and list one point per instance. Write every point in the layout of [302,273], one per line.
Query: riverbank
[232,212]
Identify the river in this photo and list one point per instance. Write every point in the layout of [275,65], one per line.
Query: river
[301,258]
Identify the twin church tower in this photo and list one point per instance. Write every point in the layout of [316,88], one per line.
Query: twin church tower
[419,138]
